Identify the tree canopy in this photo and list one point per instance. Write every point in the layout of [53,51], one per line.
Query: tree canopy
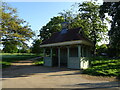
[12,27]
[36,46]
[96,29]
[88,17]
[52,26]
[113,10]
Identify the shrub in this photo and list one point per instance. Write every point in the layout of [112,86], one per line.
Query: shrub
[39,62]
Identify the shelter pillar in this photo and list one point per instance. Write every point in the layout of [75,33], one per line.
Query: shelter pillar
[51,53]
[44,55]
[44,52]
[79,55]
[83,54]
[79,51]
[68,54]
[59,57]
[87,50]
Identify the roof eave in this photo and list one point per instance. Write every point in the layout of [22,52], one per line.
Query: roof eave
[67,43]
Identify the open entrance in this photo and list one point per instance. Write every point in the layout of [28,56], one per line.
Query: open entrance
[63,57]
[55,57]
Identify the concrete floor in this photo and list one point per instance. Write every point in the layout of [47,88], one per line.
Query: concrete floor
[24,75]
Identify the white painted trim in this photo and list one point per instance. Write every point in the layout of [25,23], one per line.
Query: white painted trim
[67,43]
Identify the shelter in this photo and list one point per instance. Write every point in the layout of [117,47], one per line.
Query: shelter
[69,48]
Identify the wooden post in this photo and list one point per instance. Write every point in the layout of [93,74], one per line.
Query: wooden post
[79,55]
[51,53]
[44,55]
[79,51]
[87,51]
[51,56]
[59,57]
[68,55]
[44,52]
[83,54]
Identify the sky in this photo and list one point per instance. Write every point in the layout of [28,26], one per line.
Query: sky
[39,14]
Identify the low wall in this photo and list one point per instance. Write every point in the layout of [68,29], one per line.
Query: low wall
[73,63]
[47,61]
[76,63]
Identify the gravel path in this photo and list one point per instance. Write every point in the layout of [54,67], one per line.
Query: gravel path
[23,74]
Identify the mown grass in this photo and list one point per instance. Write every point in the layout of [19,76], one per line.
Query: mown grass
[8,58]
[102,66]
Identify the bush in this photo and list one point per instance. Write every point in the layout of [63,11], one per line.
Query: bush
[38,62]
[103,49]
[36,47]
[10,48]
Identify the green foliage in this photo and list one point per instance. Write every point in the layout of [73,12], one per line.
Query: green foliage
[36,47]
[101,49]
[88,18]
[74,20]
[113,10]
[10,47]
[52,26]
[94,28]
[103,66]
[39,62]
[13,29]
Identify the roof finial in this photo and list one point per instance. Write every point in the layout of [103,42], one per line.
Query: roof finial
[64,25]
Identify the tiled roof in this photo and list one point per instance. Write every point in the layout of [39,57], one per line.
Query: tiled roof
[66,35]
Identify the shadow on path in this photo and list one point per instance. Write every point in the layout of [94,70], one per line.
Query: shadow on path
[113,85]
[26,68]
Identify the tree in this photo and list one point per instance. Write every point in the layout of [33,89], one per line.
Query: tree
[24,48]
[10,47]
[36,46]
[74,20]
[54,25]
[94,28]
[113,10]
[88,18]
[12,28]
[102,49]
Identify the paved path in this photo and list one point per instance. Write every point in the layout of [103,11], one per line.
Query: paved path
[23,74]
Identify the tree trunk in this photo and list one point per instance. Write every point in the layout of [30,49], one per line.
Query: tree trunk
[94,33]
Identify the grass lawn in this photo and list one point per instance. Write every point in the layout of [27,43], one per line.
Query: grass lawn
[8,58]
[102,66]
